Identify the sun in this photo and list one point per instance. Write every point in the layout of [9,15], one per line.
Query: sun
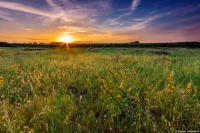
[66,39]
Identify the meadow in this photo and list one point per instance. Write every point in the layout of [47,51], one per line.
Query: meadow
[99,90]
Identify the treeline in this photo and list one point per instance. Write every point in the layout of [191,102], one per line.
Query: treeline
[101,45]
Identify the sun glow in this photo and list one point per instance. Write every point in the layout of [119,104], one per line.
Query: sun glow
[66,39]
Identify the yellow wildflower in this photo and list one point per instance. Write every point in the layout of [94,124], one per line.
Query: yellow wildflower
[188,88]
[169,85]
[111,91]
[169,78]
[107,68]
[189,85]
[1,82]
[172,87]
[1,77]
[102,81]
[120,86]
[118,96]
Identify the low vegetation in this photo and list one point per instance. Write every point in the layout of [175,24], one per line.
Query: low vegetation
[103,45]
[99,90]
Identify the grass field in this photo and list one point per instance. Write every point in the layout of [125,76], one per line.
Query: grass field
[99,90]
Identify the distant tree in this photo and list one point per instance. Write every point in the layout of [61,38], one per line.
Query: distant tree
[135,42]
[5,44]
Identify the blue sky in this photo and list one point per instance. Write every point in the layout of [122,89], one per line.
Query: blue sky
[100,20]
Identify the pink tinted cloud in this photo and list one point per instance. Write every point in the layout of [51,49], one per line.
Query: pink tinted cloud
[192,32]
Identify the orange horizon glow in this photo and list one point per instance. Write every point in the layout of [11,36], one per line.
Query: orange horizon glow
[65,39]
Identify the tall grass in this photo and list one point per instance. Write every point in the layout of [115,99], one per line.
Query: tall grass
[101,90]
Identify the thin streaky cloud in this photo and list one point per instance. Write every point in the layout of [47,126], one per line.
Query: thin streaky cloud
[143,24]
[5,15]
[139,19]
[27,9]
[28,29]
[134,5]
[74,12]
[115,21]
[55,11]
[74,29]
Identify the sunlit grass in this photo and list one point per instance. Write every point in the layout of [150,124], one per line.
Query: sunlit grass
[98,90]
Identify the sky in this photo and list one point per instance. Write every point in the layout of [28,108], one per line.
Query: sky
[100,20]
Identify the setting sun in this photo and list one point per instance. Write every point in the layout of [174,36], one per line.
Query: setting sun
[66,39]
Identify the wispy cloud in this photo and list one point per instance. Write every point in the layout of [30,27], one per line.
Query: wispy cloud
[191,32]
[112,21]
[5,16]
[80,30]
[134,31]
[27,9]
[74,29]
[28,29]
[139,19]
[128,12]
[64,10]
[145,22]
[180,11]
[134,5]
[37,39]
